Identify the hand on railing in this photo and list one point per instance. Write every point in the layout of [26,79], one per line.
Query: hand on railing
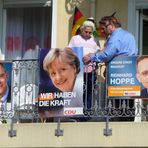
[87,59]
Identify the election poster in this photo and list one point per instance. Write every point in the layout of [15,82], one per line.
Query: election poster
[61,82]
[122,79]
[5,89]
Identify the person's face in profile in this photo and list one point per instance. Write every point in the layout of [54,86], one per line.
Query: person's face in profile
[86,33]
[142,72]
[3,81]
[62,74]
[105,29]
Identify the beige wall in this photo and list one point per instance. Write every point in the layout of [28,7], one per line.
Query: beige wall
[107,7]
[88,134]
[103,7]
[65,18]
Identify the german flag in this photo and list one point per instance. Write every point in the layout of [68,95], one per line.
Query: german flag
[77,21]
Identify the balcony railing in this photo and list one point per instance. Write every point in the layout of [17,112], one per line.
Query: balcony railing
[24,92]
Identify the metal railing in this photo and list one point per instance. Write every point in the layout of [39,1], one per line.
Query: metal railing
[24,92]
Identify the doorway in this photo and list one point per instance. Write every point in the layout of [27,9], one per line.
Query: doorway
[143,31]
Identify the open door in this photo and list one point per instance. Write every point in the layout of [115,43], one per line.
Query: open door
[143,32]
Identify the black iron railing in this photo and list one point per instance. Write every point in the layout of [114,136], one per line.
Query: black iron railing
[24,92]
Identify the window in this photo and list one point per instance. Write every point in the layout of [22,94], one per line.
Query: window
[27,30]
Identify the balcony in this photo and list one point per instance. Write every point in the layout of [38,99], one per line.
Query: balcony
[110,122]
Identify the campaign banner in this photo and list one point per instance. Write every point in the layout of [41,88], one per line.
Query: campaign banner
[61,82]
[122,78]
[5,89]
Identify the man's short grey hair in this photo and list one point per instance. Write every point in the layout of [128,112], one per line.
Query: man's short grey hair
[88,24]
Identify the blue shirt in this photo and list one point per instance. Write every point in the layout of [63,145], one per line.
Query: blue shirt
[121,42]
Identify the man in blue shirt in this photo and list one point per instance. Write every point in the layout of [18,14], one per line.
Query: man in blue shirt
[119,41]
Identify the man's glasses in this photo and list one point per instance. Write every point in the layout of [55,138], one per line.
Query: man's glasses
[104,27]
[107,25]
[88,32]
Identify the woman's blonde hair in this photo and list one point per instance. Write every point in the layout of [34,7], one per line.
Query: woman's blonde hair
[65,54]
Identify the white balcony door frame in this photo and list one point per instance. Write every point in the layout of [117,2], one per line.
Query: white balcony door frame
[134,17]
[54,25]
[142,18]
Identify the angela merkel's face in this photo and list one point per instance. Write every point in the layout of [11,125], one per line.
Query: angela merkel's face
[63,75]
[142,74]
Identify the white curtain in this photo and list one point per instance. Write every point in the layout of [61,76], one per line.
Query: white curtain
[27,30]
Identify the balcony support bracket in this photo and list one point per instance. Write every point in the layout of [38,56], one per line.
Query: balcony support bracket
[58,131]
[12,132]
[107,130]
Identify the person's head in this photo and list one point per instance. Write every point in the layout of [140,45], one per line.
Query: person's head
[3,80]
[108,24]
[142,70]
[87,29]
[91,19]
[62,65]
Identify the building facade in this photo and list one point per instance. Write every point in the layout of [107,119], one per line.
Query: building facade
[29,25]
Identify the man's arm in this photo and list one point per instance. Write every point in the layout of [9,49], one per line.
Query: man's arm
[109,52]
[104,56]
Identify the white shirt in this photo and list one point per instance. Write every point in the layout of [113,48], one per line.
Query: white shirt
[89,46]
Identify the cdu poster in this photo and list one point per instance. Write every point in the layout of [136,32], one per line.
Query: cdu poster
[61,82]
[122,80]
